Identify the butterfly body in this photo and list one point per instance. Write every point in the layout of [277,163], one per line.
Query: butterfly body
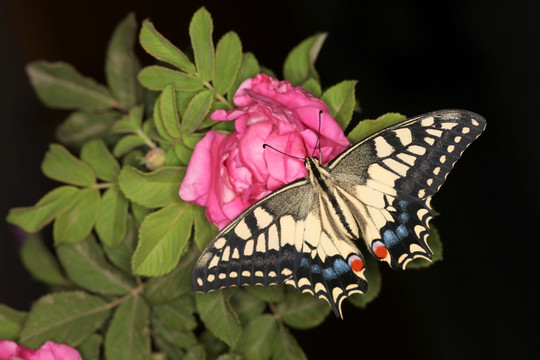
[379,189]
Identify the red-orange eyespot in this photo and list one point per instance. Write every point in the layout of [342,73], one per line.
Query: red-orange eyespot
[379,249]
[356,263]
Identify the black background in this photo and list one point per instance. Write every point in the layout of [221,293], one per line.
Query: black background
[409,57]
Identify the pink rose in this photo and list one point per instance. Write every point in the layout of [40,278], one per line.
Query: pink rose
[10,350]
[228,173]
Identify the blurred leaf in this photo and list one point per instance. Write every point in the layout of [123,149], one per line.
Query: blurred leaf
[200,32]
[163,237]
[434,242]
[196,111]
[248,69]
[176,315]
[302,311]
[121,254]
[169,113]
[60,165]
[139,212]
[172,340]
[133,159]
[152,190]
[218,315]
[246,305]
[285,346]
[80,127]
[313,86]
[121,64]
[64,317]
[162,49]
[100,159]
[230,357]
[196,352]
[213,346]
[77,221]
[373,276]
[341,100]
[258,338]
[273,294]
[128,335]
[60,85]
[111,223]
[89,348]
[39,261]
[228,60]
[33,218]
[87,267]
[368,127]
[204,231]
[127,143]
[182,153]
[299,64]
[11,321]
[158,77]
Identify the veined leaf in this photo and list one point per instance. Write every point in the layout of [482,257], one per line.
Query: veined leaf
[60,165]
[258,338]
[218,315]
[176,314]
[11,321]
[121,254]
[169,112]
[158,77]
[204,231]
[299,64]
[285,346]
[228,60]
[313,86]
[200,32]
[272,294]
[80,127]
[39,261]
[96,154]
[248,69]
[341,100]
[246,305]
[302,311]
[77,221]
[111,223]
[127,143]
[196,111]
[89,348]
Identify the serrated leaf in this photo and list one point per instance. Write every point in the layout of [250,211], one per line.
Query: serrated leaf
[246,305]
[368,127]
[127,143]
[63,317]
[33,218]
[163,237]
[77,221]
[341,100]
[86,266]
[158,77]
[176,315]
[60,85]
[159,122]
[172,340]
[248,69]
[154,189]
[39,261]
[121,64]
[373,276]
[169,113]
[196,111]
[191,140]
[11,321]
[183,99]
[80,127]
[286,347]
[162,49]
[218,315]
[182,153]
[258,338]
[302,311]
[60,165]
[162,289]
[313,86]
[96,154]
[89,348]
[434,242]
[128,335]
[228,60]
[273,294]
[200,32]
[299,64]
[124,126]
[111,223]
[121,254]
[204,230]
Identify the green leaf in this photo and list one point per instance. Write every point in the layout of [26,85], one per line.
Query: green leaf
[163,237]
[60,165]
[170,340]
[63,317]
[258,338]
[76,222]
[249,68]
[89,348]
[33,218]
[218,315]
[368,127]
[158,77]
[111,223]
[128,335]
[159,122]
[139,212]
[341,100]
[86,266]
[155,189]
[286,347]
[134,159]
[120,255]
[204,231]
[373,276]
[313,86]
[159,47]
[246,305]
[196,111]
[162,289]
[434,242]
[196,352]
[80,127]
[169,113]
[299,64]
[302,311]
[100,159]
[230,357]
[213,346]
[176,315]
[273,294]
[11,321]
[127,143]
[228,60]
[182,153]
[200,32]
[121,64]
[39,261]
[60,85]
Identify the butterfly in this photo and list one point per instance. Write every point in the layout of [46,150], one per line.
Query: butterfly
[379,189]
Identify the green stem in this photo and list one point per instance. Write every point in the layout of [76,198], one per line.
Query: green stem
[103,185]
[146,139]
[219,97]
[134,292]
[278,318]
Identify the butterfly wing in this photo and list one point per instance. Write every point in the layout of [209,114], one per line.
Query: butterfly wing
[388,179]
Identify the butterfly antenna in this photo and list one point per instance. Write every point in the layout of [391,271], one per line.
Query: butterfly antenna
[318,143]
[281,152]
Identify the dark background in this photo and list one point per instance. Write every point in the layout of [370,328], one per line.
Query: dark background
[409,57]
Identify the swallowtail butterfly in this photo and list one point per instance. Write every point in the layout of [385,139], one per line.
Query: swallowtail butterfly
[379,189]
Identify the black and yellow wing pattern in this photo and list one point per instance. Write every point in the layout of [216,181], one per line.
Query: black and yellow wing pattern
[379,189]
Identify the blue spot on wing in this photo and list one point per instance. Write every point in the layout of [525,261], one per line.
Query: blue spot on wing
[390,238]
[341,266]
[316,269]
[329,274]
[402,231]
